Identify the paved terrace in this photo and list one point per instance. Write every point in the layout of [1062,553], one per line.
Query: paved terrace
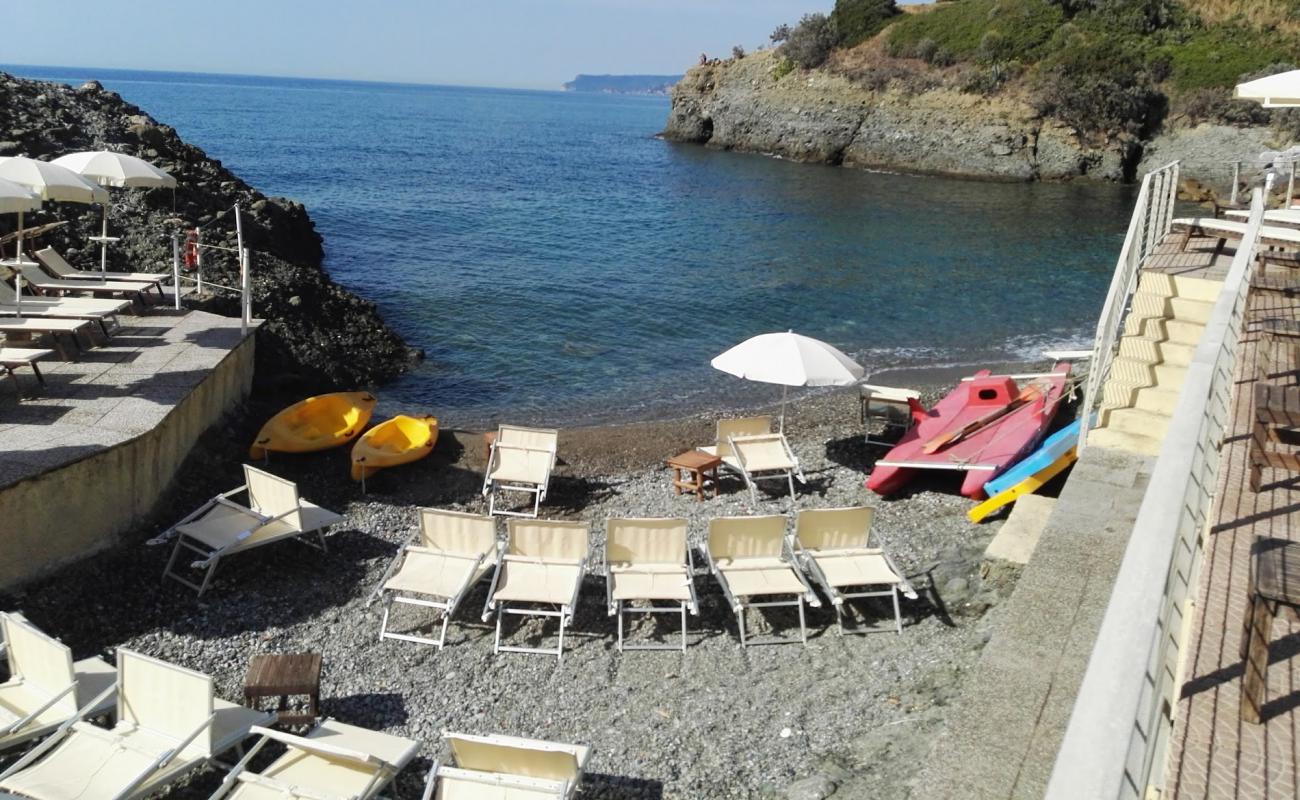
[111,393]
[1213,753]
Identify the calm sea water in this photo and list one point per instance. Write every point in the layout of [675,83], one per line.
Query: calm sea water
[559,263]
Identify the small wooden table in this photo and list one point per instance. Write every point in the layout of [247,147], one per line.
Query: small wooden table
[1275,585]
[692,469]
[1277,422]
[281,675]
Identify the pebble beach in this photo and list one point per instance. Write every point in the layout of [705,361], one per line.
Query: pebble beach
[852,713]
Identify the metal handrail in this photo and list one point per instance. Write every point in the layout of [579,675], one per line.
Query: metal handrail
[1152,215]
[1115,743]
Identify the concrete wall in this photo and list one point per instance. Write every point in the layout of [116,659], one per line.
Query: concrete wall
[84,506]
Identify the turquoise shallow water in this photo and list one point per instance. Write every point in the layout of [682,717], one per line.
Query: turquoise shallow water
[557,262]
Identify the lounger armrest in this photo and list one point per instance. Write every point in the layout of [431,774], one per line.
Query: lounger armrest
[429,551]
[430,783]
[904,585]
[313,746]
[397,559]
[22,722]
[559,562]
[166,758]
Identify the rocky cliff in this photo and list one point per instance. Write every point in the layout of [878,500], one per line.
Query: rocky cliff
[819,116]
[317,334]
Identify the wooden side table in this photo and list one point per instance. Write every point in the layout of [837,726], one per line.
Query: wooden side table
[692,470]
[1277,422]
[282,675]
[1275,584]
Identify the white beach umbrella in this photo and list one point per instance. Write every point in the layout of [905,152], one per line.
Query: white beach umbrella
[17,199]
[49,182]
[789,359]
[114,169]
[1275,91]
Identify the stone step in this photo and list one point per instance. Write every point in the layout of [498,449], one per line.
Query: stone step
[1166,285]
[1163,329]
[1140,348]
[1156,399]
[1118,440]
[1145,305]
[1136,421]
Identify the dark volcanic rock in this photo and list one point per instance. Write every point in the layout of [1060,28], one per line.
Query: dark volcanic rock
[317,334]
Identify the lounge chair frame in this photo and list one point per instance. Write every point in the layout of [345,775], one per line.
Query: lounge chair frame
[753,476]
[11,358]
[504,781]
[619,608]
[55,263]
[209,557]
[739,603]
[448,605]
[492,486]
[563,613]
[838,595]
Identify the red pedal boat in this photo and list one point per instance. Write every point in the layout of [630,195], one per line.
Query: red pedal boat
[982,427]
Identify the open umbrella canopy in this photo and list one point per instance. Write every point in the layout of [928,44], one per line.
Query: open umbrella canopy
[51,181]
[1275,91]
[789,359]
[116,169]
[15,197]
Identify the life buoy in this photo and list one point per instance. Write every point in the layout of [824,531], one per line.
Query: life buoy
[192,249]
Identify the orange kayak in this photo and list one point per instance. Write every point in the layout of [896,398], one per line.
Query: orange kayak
[317,423]
[393,442]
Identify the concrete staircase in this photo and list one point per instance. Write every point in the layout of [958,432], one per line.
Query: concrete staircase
[1163,327]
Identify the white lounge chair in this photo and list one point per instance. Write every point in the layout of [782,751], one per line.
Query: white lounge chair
[748,447]
[39,279]
[169,725]
[648,560]
[521,460]
[28,327]
[11,358]
[542,565]
[46,688]
[748,557]
[449,553]
[507,768]
[221,527]
[58,265]
[1277,216]
[1223,230]
[102,312]
[334,760]
[834,546]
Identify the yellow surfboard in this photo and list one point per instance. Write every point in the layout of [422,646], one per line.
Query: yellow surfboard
[1028,486]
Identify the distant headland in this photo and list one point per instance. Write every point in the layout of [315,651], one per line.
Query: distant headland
[623,84]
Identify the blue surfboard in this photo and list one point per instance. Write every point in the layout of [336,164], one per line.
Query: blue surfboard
[1052,448]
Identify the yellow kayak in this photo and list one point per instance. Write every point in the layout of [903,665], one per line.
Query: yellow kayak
[317,423]
[395,441]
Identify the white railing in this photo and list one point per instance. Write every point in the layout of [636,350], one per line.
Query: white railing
[1114,746]
[245,260]
[1147,227]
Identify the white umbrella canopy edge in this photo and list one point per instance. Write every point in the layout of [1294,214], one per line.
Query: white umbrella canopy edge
[118,170]
[789,359]
[1273,91]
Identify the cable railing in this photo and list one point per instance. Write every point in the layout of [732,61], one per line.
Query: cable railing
[1116,741]
[1150,222]
[194,248]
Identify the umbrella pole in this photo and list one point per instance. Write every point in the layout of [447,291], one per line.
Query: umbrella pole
[784,390]
[18,265]
[103,247]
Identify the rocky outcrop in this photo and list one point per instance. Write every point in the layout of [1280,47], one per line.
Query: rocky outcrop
[822,117]
[317,334]
[1206,151]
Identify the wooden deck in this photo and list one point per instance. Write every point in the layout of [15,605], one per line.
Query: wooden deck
[1213,754]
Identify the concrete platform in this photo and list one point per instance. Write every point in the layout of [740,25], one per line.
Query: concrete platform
[109,428]
[1016,539]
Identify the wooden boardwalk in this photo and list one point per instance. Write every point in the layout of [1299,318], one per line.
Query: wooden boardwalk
[1213,754]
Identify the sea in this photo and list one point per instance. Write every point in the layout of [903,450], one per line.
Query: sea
[557,262]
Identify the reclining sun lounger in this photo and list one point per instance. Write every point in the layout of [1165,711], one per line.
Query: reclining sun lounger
[334,760]
[221,527]
[521,460]
[58,265]
[39,279]
[1276,216]
[834,546]
[102,312]
[747,556]
[648,560]
[46,688]
[542,565]
[11,358]
[749,448]
[169,724]
[449,553]
[1223,230]
[507,767]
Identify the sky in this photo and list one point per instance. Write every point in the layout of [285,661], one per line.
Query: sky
[514,43]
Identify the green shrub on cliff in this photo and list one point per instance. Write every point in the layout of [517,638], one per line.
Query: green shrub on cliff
[981,30]
[858,20]
[811,41]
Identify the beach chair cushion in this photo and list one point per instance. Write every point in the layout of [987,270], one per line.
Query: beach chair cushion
[548,539]
[765,453]
[647,559]
[650,582]
[745,537]
[437,574]
[538,581]
[42,666]
[834,528]
[327,774]
[457,532]
[454,784]
[18,699]
[36,276]
[231,529]
[91,763]
[730,428]
[760,575]
[856,567]
[513,465]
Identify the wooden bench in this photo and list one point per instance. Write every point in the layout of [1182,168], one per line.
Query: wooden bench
[1275,586]
[1277,422]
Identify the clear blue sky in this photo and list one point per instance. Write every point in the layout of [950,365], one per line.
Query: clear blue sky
[519,43]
